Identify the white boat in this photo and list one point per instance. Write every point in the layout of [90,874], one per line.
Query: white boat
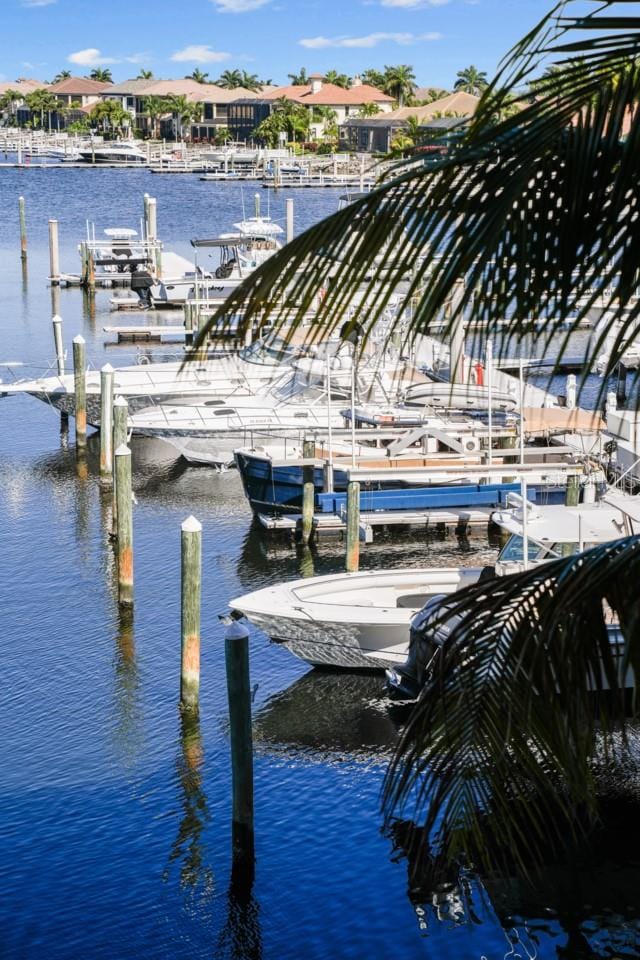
[240,253]
[361,620]
[122,151]
[144,384]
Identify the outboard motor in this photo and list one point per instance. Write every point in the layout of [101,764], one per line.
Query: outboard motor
[427,638]
[141,283]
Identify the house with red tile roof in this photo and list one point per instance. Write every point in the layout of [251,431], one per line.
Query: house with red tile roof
[344,101]
[80,90]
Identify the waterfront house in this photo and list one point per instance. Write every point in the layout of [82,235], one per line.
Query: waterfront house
[16,112]
[375,134]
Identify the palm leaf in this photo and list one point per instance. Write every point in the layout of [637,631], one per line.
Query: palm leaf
[532,213]
[497,757]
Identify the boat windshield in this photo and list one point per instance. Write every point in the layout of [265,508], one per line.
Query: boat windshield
[513,550]
[295,386]
[261,352]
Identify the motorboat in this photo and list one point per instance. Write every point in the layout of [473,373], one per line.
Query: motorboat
[459,396]
[255,240]
[361,620]
[143,384]
[121,151]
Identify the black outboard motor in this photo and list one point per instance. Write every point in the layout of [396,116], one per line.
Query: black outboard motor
[425,644]
[141,283]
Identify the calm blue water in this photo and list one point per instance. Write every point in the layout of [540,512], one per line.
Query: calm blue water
[115,839]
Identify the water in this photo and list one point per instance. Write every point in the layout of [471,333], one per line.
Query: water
[115,836]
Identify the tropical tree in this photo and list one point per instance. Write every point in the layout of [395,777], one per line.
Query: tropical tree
[299,79]
[368,110]
[41,102]
[328,118]
[270,128]
[250,81]
[471,80]
[8,102]
[230,79]
[296,117]
[535,214]
[154,108]
[432,93]
[61,75]
[374,78]
[145,75]
[103,74]
[110,117]
[338,79]
[223,134]
[399,82]
[183,111]
[197,75]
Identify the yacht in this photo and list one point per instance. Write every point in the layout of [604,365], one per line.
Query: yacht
[122,151]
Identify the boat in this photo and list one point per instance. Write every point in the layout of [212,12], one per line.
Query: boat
[459,396]
[240,253]
[121,151]
[361,620]
[174,381]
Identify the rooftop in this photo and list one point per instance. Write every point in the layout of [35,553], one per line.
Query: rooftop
[78,85]
[329,94]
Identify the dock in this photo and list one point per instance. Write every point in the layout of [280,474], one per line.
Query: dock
[146,332]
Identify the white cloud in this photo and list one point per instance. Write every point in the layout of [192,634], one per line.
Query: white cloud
[199,53]
[38,3]
[238,6]
[91,57]
[413,4]
[370,40]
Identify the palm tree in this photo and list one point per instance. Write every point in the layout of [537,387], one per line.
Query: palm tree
[145,75]
[296,117]
[154,108]
[299,79]
[230,79]
[110,116]
[471,80]
[368,110]
[103,74]
[250,81]
[8,101]
[399,82]
[183,111]
[536,214]
[374,78]
[61,75]
[198,76]
[338,79]
[41,102]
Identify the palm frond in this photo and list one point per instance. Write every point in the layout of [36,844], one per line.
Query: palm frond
[497,757]
[537,214]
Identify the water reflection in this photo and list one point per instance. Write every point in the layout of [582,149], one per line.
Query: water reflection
[188,847]
[328,716]
[590,907]
[126,685]
[241,936]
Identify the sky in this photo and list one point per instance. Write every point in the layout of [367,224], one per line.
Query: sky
[270,38]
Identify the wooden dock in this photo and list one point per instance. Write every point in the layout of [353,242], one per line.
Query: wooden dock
[171,332]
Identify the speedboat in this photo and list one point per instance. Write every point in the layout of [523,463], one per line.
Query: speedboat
[361,620]
[124,151]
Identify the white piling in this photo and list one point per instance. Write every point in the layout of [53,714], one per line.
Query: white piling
[289,208]
[571,391]
[54,253]
[106,424]
[57,339]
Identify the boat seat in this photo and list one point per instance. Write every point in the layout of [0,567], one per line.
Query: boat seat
[412,601]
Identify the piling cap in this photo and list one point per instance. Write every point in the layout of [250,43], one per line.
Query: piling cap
[191,525]
[123,451]
[237,630]
[79,339]
[56,318]
[107,368]
[120,401]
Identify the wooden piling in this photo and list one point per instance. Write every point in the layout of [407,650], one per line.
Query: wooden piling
[91,270]
[106,424]
[80,390]
[54,253]
[56,323]
[236,645]
[191,542]
[352,559]
[23,228]
[125,525]
[308,493]
[119,439]
[572,494]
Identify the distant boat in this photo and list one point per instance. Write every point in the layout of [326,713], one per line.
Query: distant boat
[124,151]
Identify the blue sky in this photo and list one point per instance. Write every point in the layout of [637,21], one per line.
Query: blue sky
[267,37]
